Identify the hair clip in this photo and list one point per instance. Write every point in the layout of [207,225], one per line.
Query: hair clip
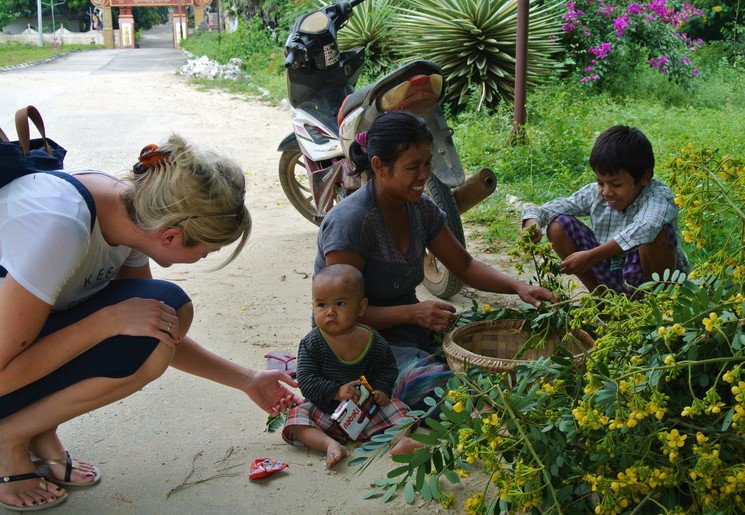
[150,157]
[361,139]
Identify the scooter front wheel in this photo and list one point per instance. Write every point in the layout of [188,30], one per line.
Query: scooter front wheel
[294,180]
[438,280]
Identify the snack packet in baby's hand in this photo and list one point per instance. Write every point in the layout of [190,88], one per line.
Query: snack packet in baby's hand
[351,417]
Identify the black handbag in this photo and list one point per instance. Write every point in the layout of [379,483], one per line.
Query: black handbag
[27,155]
[40,155]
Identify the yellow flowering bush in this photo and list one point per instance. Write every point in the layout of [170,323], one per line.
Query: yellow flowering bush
[655,423]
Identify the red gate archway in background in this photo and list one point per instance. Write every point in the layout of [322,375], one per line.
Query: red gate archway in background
[127,25]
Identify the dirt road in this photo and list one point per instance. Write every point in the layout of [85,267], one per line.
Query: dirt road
[104,106]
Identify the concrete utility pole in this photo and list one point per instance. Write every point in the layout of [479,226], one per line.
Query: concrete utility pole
[38,22]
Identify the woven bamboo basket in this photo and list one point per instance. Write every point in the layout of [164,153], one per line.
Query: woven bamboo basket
[493,344]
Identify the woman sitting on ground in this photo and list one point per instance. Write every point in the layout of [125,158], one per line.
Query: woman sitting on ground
[384,229]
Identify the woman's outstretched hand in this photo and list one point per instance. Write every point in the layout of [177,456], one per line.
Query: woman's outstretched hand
[268,392]
[534,295]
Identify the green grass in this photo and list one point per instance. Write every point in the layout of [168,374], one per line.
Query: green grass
[13,53]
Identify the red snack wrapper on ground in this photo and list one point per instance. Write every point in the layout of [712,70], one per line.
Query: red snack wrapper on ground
[264,467]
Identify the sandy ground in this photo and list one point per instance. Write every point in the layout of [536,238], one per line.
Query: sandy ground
[183,444]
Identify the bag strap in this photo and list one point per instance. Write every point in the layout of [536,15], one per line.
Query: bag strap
[23,115]
[87,197]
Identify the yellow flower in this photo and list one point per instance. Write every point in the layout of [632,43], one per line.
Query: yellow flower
[669,360]
[458,407]
[678,329]
[446,500]
[661,332]
[710,322]
[486,308]
[718,9]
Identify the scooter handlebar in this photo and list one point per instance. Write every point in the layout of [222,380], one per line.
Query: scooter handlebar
[295,54]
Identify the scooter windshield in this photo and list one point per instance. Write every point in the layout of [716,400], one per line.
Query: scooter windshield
[315,23]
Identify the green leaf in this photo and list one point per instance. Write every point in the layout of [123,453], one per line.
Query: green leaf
[436,425]
[273,422]
[728,419]
[419,457]
[381,437]
[398,471]
[436,460]
[434,486]
[420,476]
[356,461]
[372,446]
[425,491]
[426,439]
[404,420]
[388,494]
[429,401]
[409,493]
[372,493]
[451,476]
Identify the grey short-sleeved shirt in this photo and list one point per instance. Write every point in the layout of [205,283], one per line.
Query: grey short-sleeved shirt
[356,225]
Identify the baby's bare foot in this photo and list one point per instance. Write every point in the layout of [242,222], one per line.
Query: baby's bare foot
[334,453]
[406,445]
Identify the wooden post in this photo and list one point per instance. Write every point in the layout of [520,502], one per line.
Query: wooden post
[521,73]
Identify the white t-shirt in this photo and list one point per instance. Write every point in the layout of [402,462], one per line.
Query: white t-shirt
[46,243]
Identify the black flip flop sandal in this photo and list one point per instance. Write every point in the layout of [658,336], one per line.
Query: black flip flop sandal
[42,483]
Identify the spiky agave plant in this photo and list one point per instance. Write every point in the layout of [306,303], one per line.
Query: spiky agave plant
[370,27]
[474,41]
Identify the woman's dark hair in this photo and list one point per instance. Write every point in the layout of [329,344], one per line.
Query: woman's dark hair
[622,148]
[390,134]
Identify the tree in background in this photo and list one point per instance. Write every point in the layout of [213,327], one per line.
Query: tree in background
[145,17]
[474,44]
[12,9]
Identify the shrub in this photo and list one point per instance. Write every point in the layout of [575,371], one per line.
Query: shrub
[656,422]
[613,39]
[370,26]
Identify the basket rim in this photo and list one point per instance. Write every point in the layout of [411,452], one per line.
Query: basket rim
[456,351]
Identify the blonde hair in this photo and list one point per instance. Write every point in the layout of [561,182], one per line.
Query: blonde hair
[200,192]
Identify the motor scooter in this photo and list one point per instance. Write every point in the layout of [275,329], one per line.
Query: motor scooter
[328,113]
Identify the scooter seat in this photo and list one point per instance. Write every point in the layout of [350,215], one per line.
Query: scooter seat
[416,95]
[417,86]
[352,101]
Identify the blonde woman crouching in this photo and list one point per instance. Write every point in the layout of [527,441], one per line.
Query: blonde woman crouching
[83,323]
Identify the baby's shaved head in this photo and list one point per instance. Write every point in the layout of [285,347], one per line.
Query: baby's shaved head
[348,274]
